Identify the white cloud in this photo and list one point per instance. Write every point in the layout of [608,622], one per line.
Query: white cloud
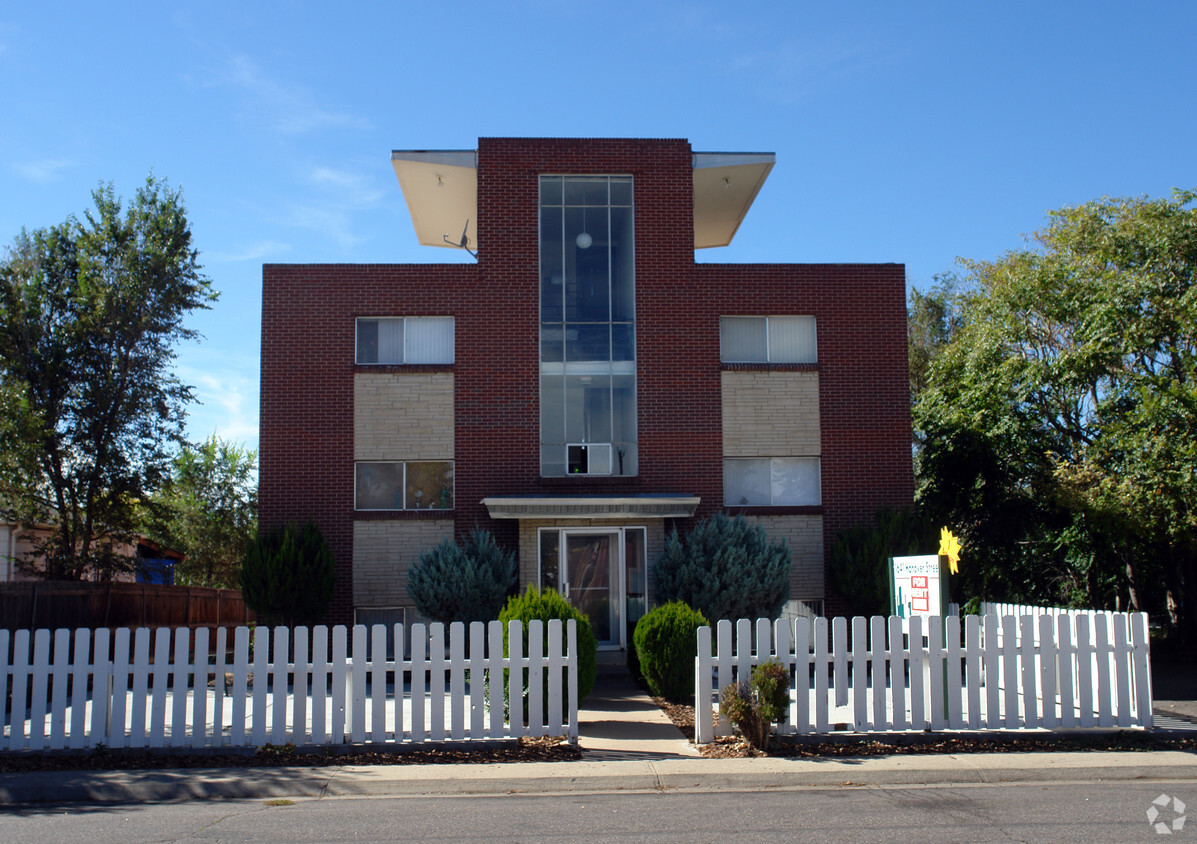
[44,170]
[227,399]
[289,108]
[253,252]
[344,194]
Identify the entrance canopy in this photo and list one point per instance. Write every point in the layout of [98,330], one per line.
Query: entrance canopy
[652,506]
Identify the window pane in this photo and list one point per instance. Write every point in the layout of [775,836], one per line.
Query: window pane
[552,343]
[588,342]
[623,293]
[379,486]
[430,340]
[552,268]
[742,340]
[623,342]
[550,190]
[745,482]
[621,191]
[550,559]
[552,411]
[390,341]
[367,341]
[795,481]
[792,339]
[430,486]
[593,268]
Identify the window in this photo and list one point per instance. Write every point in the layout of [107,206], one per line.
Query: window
[771,482]
[403,486]
[771,339]
[398,340]
[587,326]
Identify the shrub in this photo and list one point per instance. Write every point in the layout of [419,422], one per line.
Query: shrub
[725,568]
[753,706]
[665,643]
[287,576]
[545,606]
[454,583]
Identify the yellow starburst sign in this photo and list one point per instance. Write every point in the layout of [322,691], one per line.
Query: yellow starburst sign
[949,546]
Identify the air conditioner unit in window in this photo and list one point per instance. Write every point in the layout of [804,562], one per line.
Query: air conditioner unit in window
[588,458]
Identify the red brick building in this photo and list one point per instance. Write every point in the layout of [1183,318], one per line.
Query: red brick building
[585,386]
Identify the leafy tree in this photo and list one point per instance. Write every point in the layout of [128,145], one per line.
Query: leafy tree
[208,511]
[91,312]
[463,583]
[287,576]
[932,318]
[1060,424]
[725,568]
[666,640]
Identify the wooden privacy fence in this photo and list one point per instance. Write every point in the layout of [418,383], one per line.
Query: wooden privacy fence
[895,674]
[163,688]
[54,604]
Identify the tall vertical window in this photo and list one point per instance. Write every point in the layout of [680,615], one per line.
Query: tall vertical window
[587,326]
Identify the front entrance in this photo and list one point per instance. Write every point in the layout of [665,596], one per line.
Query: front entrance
[602,572]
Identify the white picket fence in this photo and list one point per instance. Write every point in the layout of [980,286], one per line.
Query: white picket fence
[1013,673]
[327,686]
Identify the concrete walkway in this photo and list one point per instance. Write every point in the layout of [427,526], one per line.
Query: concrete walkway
[618,721]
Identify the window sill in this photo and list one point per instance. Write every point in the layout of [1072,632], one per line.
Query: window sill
[402,367]
[401,515]
[764,510]
[769,367]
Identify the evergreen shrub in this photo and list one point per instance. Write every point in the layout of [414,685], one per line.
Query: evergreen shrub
[666,642]
[546,605]
[287,575]
[466,583]
[725,568]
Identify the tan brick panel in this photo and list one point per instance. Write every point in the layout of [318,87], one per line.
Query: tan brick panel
[403,416]
[770,414]
[804,537]
[383,551]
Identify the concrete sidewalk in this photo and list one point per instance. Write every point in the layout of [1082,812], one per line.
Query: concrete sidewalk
[683,775]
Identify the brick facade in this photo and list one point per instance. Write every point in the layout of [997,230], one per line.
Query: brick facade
[311,432]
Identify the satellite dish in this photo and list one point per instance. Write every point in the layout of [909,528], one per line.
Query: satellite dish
[465,241]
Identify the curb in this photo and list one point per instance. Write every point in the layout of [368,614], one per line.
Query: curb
[682,775]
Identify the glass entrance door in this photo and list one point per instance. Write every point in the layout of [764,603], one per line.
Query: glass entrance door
[590,580]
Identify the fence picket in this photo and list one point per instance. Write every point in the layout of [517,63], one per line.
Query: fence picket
[378,683]
[159,686]
[822,666]
[860,682]
[320,689]
[400,672]
[342,692]
[1140,639]
[58,688]
[299,686]
[1101,629]
[457,680]
[240,680]
[536,656]
[1122,672]
[877,663]
[1049,661]
[219,672]
[198,736]
[79,676]
[1028,681]
[918,719]
[973,672]
[494,675]
[554,665]
[839,638]
[178,685]
[704,728]
[258,724]
[515,678]
[896,655]
[477,679]
[20,673]
[140,676]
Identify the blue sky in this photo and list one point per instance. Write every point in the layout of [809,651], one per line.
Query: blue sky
[904,131]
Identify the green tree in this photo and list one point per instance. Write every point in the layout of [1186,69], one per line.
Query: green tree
[1060,424]
[91,312]
[287,576]
[725,568]
[860,558]
[463,583]
[208,511]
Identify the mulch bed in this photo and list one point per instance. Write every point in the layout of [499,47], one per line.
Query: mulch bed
[734,747]
[275,756]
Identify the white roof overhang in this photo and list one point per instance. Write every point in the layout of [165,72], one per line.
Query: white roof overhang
[592,507]
[441,190]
